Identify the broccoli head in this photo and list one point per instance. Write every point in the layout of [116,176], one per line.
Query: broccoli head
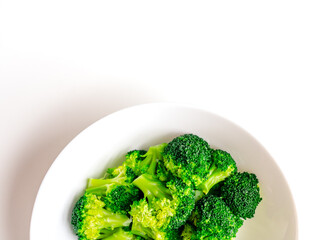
[222,167]
[141,161]
[168,207]
[151,158]
[189,158]
[241,193]
[117,191]
[214,220]
[120,198]
[133,159]
[90,220]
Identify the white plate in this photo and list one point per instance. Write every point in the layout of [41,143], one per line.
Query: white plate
[105,142]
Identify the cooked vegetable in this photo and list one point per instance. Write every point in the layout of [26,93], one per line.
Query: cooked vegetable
[165,208]
[183,189]
[91,220]
[214,220]
[242,194]
[222,167]
[189,158]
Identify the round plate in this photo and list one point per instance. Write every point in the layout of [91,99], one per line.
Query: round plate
[105,142]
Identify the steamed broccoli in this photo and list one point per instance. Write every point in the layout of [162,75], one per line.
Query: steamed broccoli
[181,190]
[117,193]
[122,234]
[214,220]
[152,156]
[133,159]
[167,209]
[90,220]
[241,193]
[188,232]
[120,198]
[145,161]
[121,175]
[189,158]
[222,167]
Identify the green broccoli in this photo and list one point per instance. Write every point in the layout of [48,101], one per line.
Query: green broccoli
[133,159]
[222,167]
[188,232]
[118,193]
[90,220]
[145,161]
[189,158]
[152,156]
[121,175]
[241,193]
[181,190]
[122,234]
[214,220]
[120,198]
[162,173]
[168,207]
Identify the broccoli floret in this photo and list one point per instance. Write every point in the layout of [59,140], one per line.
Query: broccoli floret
[214,220]
[117,193]
[92,221]
[162,173]
[145,161]
[133,160]
[222,167]
[120,198]
[151,158]
[152,187]
[121,175]
[241,193]
[168,207]
[189,158]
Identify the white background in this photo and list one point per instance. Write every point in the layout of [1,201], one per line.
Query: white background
[265,65]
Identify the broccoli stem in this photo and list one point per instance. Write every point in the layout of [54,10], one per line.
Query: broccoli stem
[216,176]
[100,186]
[141,231]
[110,219]
[198,195]
[152,187]
[120,234]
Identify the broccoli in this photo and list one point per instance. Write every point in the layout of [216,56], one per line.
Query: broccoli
[121,175]
[181,190]
[152,156]
[145,161]
[214,220]
[188,232]
[168,207]
[122,172]
[121,197]
[162,173]
[90,220]
[189,158]
[241,193]
[122,234]
[133,159]
[117,193]
[222,167]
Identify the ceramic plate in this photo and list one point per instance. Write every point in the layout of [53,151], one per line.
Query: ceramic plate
[105,142]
